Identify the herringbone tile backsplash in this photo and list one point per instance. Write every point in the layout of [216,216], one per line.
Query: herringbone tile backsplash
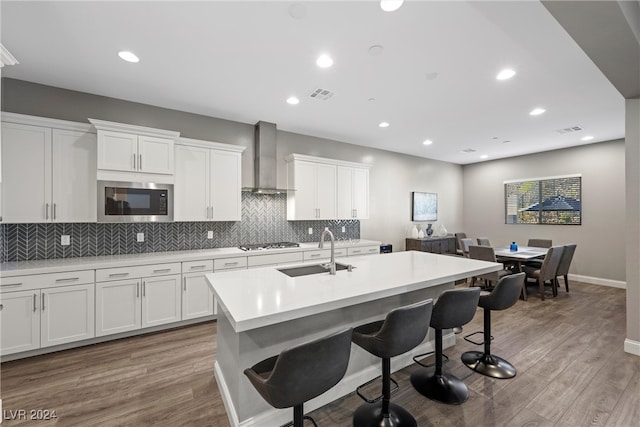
[263,221]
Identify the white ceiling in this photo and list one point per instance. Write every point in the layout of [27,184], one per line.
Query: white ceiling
[241,61]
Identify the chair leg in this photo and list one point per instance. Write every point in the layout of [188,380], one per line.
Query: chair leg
[541,286]
[566,282]
[298,416]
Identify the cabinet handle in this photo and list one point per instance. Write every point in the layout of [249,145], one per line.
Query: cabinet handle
[184,283]
[46,211]
[161,270]
[134,161]
[54,211]
[43,301]
[6,285]
[314,255]
[356,252]
[230,263]
[197,267]
[70,279]
[140,161]
[144,288]
[1,307]
[137,289]
[35,302]
[118,274]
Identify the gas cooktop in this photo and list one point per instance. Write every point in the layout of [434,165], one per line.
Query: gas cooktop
[262,246]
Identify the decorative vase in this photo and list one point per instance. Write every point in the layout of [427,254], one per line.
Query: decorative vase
[414,232]
[421,234]
[429,230]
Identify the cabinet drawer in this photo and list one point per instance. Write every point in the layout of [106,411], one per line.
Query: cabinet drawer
[227,263]
[196,266]
[324,254]
[36,281]
[272,259]
[120,273]
[363,250]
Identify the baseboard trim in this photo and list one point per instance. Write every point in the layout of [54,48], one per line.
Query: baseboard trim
[598,281]
[631,346]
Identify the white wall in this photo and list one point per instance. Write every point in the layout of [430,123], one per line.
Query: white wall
[392,178]
[600,238]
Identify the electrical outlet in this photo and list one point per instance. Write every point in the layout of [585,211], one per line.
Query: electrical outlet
[326,229]
[209,234]
[310,230]
[65,240]
[139,237]
[344,229]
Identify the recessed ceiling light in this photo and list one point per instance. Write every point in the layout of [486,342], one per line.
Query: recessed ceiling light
[587,138]
[390,5]
[484,156]
[427,142]
[505,74]
[293,100]
[537,111]
[376,50]
[128,56]
[383,125]
[324,61]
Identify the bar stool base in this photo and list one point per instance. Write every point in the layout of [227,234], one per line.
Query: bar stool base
[444,388]
[488,364]
[370,415]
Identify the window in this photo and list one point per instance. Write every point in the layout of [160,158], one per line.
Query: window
[544,201]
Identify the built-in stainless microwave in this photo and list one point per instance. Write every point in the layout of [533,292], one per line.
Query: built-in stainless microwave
[134,202]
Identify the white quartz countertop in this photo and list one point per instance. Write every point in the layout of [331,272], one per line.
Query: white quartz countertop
[260,297]
[10,269]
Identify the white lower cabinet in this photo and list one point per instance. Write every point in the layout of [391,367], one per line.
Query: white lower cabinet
[197,296]
[45,317]
[126,305]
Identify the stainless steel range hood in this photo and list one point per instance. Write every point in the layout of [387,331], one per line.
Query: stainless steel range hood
[264,160]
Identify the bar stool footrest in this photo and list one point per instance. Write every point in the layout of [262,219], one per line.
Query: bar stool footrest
[374,400]
[468,339]
[306,417]
[428,365]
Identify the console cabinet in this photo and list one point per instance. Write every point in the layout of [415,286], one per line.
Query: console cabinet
[436,245]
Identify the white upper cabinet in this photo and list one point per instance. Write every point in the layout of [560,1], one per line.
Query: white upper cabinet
[134,153]
[315,189]
[353,193]
[208,181]
[48,173]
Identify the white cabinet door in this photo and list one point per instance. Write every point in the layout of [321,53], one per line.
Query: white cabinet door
[74,176]
[26,166]
[192,192]
[155,155]
[197,297]
[326,191]
[304,206]
[118,306]
[161,300]
[226,186]
[117,151]
[66,314]
[360,193]
[345,192]
[19,321]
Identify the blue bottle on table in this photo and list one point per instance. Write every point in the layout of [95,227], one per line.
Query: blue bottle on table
[513,247]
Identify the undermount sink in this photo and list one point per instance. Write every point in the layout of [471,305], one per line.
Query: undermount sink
[306,270]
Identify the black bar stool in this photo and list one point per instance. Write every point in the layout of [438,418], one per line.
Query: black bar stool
[503,296]
[453,308]
[403,329]
[302,372]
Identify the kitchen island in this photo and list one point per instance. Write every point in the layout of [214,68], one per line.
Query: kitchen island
[263,311]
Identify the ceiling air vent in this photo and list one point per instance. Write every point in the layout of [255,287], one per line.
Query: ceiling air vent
[321,94]
[569,130]
[469,150]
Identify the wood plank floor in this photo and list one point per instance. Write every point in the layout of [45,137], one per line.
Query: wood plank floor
[572,372]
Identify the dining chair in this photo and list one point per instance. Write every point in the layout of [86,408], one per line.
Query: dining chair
[459,237]
[565,263]
[483,241]
[464,244]
[540,243]
[486,253]
[547,272]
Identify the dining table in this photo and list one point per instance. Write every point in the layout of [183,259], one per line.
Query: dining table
[523,253]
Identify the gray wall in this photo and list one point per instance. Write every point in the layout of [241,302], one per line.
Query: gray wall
[392,178]
[600,238]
